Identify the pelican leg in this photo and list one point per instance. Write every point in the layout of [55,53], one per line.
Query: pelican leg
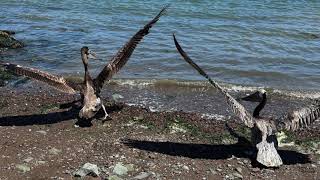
[106,115]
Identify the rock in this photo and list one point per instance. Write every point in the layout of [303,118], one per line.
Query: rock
[117,97]
[42,132]
[229,177]
[120,169]
[255,169]
[7,41]
[28,159]
[87,169]
[23,168]
[142,175]
[40,162]
[54,151]
[237,175]
[185,167]
[138,118]
[239,169]
[130,167]
[114,177]
[213,172]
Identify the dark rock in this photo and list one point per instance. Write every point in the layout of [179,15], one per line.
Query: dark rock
[7,41]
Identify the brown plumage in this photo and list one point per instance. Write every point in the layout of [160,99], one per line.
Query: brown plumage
[58,82]
[263,129]
[123,55]
[293,120]
[236,107]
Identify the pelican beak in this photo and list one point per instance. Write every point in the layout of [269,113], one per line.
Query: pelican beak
[255,97]
[92,55]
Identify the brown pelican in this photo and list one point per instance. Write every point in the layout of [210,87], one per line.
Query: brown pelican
[263,129]
[90,89]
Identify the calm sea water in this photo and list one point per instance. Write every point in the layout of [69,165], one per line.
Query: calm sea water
[259,43]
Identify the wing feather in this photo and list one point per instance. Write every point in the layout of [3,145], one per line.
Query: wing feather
[236,107]
[123,55]
[58,82]
[300,118]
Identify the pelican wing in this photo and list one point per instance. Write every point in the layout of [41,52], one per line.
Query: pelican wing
[58,82]
[300,118]
[123,55]
[236,107]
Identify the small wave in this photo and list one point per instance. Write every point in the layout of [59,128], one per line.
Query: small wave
[166,83]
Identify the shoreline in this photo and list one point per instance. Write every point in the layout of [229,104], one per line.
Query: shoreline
[163,144]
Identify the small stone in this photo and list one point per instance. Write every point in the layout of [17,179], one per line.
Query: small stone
[246,161]
[229,177]
[239,169]
[120,169]
[23,168]
[142,175]
[42,132]
[54,151]
[218,169]
[28,159]
[185,167]
[213,172]
[313,165]
[138,118]
[255,169]
[237,175]
[117,97]
[87,169]
[40,162]
[130,167]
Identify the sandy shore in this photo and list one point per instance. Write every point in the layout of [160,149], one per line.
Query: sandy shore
[39,141]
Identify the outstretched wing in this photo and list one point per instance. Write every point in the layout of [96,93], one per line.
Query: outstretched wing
[58,82]
[236,107]
[300,118]
[123,55]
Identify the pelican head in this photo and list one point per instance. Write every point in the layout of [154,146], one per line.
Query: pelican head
[86,53]
[256,96]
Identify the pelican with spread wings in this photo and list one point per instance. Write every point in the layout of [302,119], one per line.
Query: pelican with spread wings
[90,89]
[263,129]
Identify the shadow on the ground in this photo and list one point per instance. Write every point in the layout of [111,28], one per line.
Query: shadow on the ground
[39,119]
[205,151]
[55,117]
[242,149]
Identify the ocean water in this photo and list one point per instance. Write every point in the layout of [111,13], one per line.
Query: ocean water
[273,44]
